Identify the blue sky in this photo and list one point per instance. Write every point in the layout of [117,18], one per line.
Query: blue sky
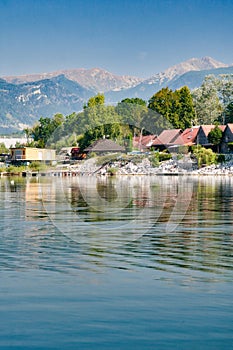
[135,37]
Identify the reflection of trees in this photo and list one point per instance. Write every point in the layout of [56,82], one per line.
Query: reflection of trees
[201,243]
[203,240]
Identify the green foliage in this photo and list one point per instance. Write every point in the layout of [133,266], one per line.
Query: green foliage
[204,156]
[136,100]
[183,150]
[154,160]
[92,155]
[185,108]
[37,166]
[131,113]
[94,101]
[161,102]
[164,156]
[3,148]
[112,171]
[13,169]
[221,158]
[229,113]
[212,99]
[177,107]
[206,102]
[109,158]
[44,129]
[215,135]
[157,157]
[112,131]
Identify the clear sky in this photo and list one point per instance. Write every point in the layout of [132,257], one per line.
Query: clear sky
[135,37]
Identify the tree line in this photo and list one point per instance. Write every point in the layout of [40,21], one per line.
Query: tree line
[166,109]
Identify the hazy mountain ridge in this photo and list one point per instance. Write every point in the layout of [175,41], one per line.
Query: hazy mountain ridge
[95,78]
[190,73]
[193,64]
[23,103]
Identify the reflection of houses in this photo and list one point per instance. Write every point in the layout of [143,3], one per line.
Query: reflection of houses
[104,146]
[30,154]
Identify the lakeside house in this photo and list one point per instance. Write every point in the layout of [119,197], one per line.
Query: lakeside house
[168,139]
[31,154]
[143,143]
[202,135]
[189,136]
[227,139]
[174,138]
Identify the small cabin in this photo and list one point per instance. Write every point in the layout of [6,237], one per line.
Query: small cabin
[31,154]
[227,139]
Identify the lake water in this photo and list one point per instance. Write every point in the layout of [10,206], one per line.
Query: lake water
[116,263]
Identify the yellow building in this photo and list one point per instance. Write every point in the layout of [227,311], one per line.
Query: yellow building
[30,154]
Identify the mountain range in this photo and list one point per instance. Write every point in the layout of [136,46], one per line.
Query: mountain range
[24,99]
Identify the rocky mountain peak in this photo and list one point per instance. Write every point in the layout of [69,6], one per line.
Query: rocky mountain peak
[193,64]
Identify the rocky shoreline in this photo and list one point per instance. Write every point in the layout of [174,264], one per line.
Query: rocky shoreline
[90,167]
[170,167]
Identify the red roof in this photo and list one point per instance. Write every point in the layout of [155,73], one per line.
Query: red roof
[143,141]
[189,135]
[168,137]
[208,128]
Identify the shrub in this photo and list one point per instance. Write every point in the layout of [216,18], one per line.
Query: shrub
[183,150]
[112,171]
[154,160]
[204,156]
[92,155]
[164,156]
[15,169]
[36,166]
[106,159]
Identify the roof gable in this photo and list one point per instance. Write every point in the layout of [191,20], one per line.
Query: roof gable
[207,128]
[189,135]
[170,136]
[104,145]
[230,127]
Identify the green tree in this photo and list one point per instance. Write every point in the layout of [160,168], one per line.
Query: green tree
[206,102]
[215,136]
[94,101]
[42,131]
[3,148]
[177,107]
[229,113]
[161,102]
[204,156]
[136,100]
[185,108]
[132,112]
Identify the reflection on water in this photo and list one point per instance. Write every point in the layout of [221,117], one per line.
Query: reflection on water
[177,225]
[128,263]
